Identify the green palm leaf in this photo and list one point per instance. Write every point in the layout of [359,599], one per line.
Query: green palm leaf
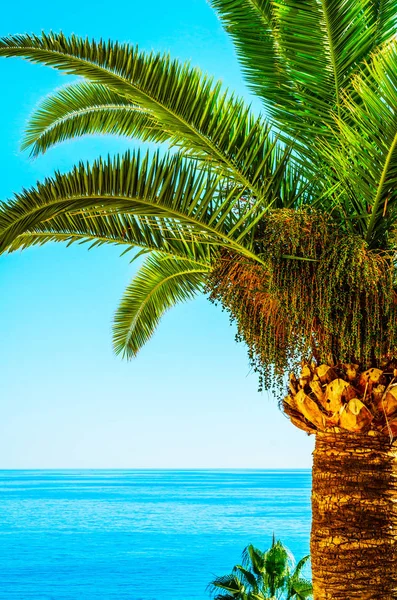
[299,587]
[253,559]
[229,583]
[170,189]
[365,163]
[115,228]
[199,116]
[300,590]
[300,56]
[385,17]
[277,566]
[167,188]
[248,578]
[327,81]
[253,28]
[160,283]
[88,109]
[300,566]
[172,274]
[265,576]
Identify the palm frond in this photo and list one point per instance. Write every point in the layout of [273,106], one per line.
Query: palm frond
[160,283]
[301,590]
[333,37]
[326,72]
[299,56]
[230,583]
[252,26]
[115,228]
[168,188]
[265,576]
[248,578]
[253,559]
[277,566]
[365,164]
[300,566]
[84,108]
[385,18]
[199,116]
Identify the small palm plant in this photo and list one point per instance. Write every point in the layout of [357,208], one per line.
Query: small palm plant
[268,575]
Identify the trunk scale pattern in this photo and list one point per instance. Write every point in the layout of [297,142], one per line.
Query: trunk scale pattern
[354,498]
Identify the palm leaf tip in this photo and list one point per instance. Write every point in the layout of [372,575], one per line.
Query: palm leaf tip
[85,108]
[160,283]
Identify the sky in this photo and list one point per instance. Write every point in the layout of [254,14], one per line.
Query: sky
[189,399]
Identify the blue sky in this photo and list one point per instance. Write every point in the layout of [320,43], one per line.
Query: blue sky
[188,400]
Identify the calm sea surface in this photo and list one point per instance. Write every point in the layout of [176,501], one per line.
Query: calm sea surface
[140,535]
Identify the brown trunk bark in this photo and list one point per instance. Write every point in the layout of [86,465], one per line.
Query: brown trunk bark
[354,527]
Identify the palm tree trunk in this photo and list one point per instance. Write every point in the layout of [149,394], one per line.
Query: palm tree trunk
[354,527]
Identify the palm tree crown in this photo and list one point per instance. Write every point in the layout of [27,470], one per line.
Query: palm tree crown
[288,219]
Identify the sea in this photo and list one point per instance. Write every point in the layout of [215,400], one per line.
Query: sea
[141,535]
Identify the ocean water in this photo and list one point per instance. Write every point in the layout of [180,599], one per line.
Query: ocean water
[140,535]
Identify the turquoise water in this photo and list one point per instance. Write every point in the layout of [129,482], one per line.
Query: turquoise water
[140,535]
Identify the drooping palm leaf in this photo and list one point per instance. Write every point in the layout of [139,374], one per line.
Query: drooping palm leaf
[298,586]
[200,117]
[84,108]
[167,188]
[116,228]
[172,274]
[300,566]
[247,577]
[300,590]
[161,282]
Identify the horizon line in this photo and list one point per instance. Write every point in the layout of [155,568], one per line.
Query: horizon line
[191,469]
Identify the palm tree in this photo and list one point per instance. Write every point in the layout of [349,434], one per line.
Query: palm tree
[266,575]
[287,219]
